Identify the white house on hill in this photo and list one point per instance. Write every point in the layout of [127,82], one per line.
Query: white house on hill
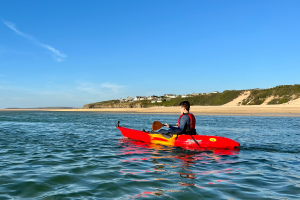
[159,100]
[129,98]
[151,97]
[170,95]
[137,98]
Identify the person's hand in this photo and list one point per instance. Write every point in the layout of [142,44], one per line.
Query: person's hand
[176,124]
[167,125]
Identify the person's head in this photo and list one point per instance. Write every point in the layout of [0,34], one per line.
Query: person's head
[185,106]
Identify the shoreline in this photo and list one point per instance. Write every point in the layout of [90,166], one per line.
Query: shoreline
[255,110]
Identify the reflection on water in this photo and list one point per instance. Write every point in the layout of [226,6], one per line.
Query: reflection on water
[175,162]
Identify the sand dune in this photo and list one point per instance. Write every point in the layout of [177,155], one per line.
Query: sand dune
[267,100]
[239,99]
[294,102]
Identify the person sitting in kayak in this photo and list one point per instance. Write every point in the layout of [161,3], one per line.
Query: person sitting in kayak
[186,122]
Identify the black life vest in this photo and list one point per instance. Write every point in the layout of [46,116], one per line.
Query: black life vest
[190,128]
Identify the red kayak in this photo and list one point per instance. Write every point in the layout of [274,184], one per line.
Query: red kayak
[184,141]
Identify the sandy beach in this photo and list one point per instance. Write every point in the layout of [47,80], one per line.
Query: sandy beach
[255,110]
[291,108]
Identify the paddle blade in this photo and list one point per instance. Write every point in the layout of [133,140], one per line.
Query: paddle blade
[156,125]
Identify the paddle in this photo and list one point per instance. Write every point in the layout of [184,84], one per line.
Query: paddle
[157,125]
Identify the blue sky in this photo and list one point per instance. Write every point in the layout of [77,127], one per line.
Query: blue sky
[70,53]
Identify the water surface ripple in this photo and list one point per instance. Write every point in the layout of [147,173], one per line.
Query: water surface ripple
[81,155]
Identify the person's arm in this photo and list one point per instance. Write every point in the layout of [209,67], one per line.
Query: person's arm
[169,126]
[185,119]
[173,128]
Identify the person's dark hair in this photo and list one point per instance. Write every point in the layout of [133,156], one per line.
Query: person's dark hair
[186,105]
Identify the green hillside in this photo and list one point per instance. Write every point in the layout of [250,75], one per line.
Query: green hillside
[213,99]
[281,94]
[204,99]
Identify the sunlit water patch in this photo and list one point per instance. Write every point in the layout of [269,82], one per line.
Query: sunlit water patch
[81,155]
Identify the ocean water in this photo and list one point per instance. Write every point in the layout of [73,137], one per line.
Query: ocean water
[82,155]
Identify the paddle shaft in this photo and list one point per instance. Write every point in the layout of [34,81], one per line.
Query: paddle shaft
[170,125]
[158,125]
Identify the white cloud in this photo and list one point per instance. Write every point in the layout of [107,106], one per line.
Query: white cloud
[89,88]
[104,88]
[56,54]
[74,95]
[113,87]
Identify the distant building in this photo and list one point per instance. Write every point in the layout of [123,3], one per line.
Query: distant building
[170,95]
[137,98]
[216,92]
[184,96]
[144,98]
[194,94]
[159,100]
[153,101]
[129,98]
[151,97]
